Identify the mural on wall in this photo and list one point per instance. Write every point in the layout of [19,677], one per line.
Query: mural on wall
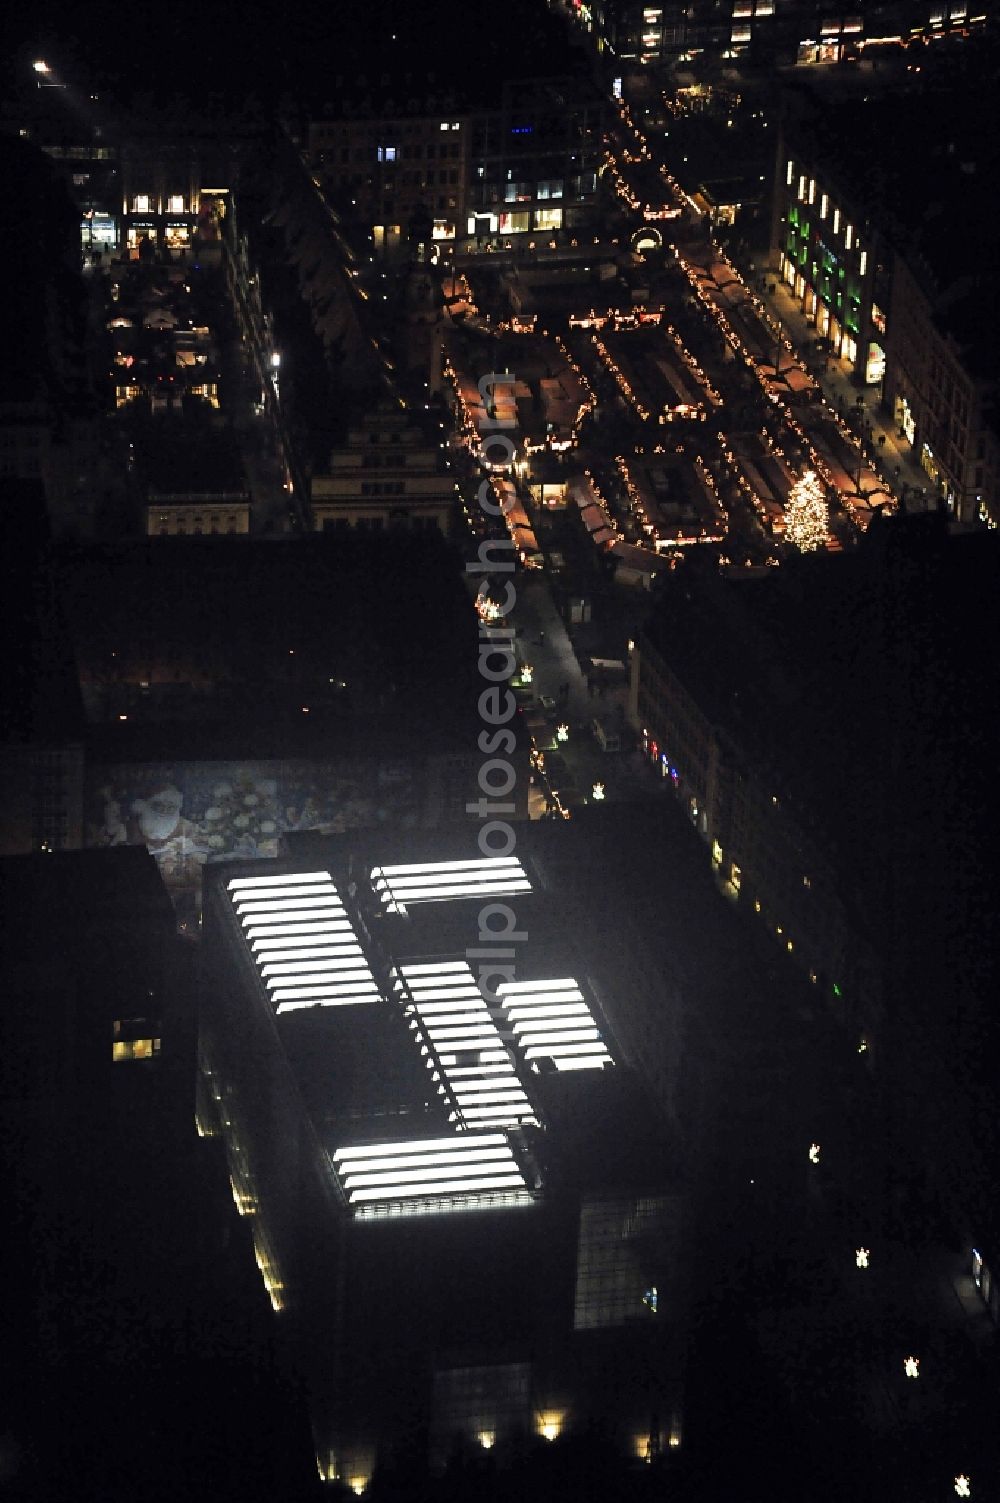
[193,812]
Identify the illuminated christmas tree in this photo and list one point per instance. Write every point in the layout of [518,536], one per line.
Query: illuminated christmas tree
[807,514]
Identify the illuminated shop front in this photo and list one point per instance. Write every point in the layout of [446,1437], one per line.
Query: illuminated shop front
[98,230]
[905,420]
[139,230]
[177,235]
[875,364]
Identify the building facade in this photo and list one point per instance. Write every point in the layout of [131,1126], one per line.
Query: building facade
[942,400]
[833,258]
[387,169]
[526,164]
[633,33]
[534,161]
[385,476]
[764,854]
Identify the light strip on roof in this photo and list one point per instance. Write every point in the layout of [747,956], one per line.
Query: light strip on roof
[355,997]
[552,1020]
[588,1048]
[332,983]
[493,863]
[429,1161]
[295,950]
[417,1178]
[578,1036]
[278,880]
[346,989]
[297,917]
[437,968]
[484,889]
[302,967]
[445,1186]
[292,905]
[450,1011]
[273,931]
[403,885]
[420,1145]
[433,881]
[276,894]
[553,1010]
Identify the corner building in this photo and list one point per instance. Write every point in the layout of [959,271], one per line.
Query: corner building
[465,1210]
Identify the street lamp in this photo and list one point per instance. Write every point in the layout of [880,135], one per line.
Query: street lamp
[41,67]
[275,361]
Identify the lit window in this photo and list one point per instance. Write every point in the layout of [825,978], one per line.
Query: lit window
[741,34]
[812,190]
[836,220]
[790,173]
[765,7]
[848,236]
[175,203]
[863,264]
[127,1047]
[735,876]
[824,205]
[444,124]
[456,125]
[548,219]
[140,203]
[387,153]
[802,187]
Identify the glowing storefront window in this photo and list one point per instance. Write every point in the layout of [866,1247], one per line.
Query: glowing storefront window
[548,219]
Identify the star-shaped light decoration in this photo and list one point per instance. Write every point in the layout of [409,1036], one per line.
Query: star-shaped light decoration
[963,1486]
[814,1153]
[911,1367]
[598,791]
[562,732]
[861,1256]
[527,673]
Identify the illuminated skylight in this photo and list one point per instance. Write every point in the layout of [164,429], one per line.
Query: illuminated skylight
[551,1020]
[470,1171]
[461,1043]
[430,882]
[302,941]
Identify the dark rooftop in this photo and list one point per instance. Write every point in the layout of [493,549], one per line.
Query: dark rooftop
[261,647]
